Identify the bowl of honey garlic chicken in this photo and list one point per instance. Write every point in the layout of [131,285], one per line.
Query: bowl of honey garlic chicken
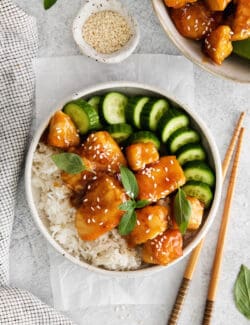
[215,34]
[123,179]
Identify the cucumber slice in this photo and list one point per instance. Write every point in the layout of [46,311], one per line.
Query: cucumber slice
[181,137]
[83,115]
[199,190]
[199,171]
[190,152]
[242,48]
[152,112]
[95,101]
[120,132]
[144,137]
[134,108]
[112,108]
[173,120]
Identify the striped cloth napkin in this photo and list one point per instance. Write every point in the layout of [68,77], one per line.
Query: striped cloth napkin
[18,46]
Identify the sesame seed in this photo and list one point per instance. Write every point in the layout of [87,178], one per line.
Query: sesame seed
[147,231]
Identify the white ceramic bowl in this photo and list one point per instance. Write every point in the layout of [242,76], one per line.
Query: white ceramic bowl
[234,68]
[128,88]
[93,6]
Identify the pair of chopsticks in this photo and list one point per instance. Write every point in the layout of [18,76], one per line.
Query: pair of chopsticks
[191,266]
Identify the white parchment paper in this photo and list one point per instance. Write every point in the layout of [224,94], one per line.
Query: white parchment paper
[73,287]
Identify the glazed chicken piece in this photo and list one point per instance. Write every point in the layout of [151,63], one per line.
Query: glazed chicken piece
[141,154]
[158,180]
[102,150]
[194,20]
[164,248]
[177,3]
[62,131]
[100,212]
[241,22]
[217,5]
[79,182]
[218,45]
[197,210]
[151,221]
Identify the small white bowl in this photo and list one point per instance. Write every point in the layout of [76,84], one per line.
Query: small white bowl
[92,7]
[131,89]
[234,68]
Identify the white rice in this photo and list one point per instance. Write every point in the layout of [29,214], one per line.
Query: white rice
[109,251]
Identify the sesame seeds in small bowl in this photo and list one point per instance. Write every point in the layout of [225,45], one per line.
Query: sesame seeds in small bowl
[105,31]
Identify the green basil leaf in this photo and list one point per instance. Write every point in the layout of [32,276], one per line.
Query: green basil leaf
[129,182]
[242,291]
[182,210]
[127,205]
[48,3]
[127,222]
[141,204]
[69,162]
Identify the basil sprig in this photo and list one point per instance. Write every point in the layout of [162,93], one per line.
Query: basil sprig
[69,162]
[48,3]
[128,220]
[182,210]
[242,291]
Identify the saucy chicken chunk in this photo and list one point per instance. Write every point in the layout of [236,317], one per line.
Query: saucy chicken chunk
[62,131]
[194,20]
[102,150]
[177,3]
[164,248]
[218,44]
[217,5]
[195,220]
[158,180]
[100,212]
[141,154]
[241,21]
[197,209]
[151,221]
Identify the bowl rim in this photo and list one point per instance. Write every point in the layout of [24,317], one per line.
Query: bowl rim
[117,56]
[188,56]
[102,87]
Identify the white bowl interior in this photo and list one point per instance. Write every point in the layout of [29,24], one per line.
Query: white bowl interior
[235,68]
[94,6]
[129,89]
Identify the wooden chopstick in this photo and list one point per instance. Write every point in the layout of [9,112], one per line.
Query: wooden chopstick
[191,266]
[222,236]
